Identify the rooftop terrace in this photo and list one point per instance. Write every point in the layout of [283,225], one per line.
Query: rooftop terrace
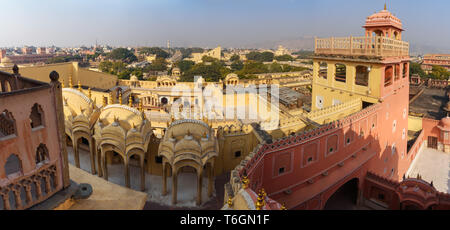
[430,103]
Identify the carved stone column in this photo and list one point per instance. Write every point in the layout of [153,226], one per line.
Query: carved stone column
[127,174]
[174,185]
[92,153]
[199,188]
[76,153]
[16,190]
[142,172]
[164,191]
[5,196]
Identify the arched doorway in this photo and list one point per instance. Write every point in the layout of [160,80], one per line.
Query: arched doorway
[84,151]
[189,181]
[345,198]
[113,165]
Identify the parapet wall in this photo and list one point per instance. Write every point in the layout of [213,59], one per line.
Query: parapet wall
[252,161]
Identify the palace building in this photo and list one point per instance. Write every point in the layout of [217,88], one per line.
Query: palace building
[33,155]
[356,136]
[366,153]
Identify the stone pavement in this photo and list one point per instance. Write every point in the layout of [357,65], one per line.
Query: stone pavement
[433,165]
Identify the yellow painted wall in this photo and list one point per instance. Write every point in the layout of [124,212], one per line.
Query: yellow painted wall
[330,89]
[87,77]
[414,123]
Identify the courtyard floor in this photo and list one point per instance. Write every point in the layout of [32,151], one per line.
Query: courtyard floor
[433,165]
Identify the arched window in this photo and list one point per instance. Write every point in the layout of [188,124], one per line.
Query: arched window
[396,35]
[7,124]
[388,72]
[397,72]
[405,69]
[378,33]
[13,165]
[362,75]
[323,70]
[341,73]
[36,116]
[42,154]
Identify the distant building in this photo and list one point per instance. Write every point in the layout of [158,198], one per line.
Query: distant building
[431,60]
[29,58]
[41,50]
[282,51]
[214,53]
[27,50]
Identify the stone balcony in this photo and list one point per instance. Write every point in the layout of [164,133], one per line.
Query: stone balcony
[361,46]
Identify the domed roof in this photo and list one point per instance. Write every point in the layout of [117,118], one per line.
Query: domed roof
[444,124]
[383,18]
[76,100]
[191,140]
[231,75]
[6,60]
[133,78]
[126,116]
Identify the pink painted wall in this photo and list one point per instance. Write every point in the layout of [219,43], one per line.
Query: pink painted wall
[27,140]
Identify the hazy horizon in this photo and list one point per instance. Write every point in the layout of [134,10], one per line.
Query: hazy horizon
[208,23]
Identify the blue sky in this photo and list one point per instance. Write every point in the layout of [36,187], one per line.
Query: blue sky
[208,23]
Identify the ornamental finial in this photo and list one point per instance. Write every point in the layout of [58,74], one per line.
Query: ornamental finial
[90,93]
[79,86]
[260,202]
[130,101]
[230,202]
[140,106]
[120,97]
[110,98]
[70,81]
[245,182]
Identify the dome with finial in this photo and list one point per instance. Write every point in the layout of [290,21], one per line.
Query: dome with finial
[6,62]
[383,18]
[133,78]
[444,124]
[123,127]
[184,140]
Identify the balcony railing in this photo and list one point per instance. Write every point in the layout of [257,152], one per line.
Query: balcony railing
[367,46]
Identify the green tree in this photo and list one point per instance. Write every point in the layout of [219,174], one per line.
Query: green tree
[439,72]
[235,58]
[237,65]
[213,72]
[253,67]
[275,68]
[209,59]
[187,52]
[160,53]
[260,57]
[115,68]
[159,64]
[184,65]
[122,54]
[304,54]
[285,57]
[415,68]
